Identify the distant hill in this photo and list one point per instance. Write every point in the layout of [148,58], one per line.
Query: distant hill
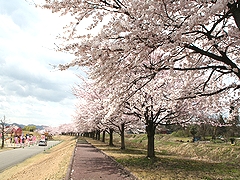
[16,124]
[40,127]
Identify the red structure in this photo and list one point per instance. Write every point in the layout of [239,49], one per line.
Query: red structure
[14,130]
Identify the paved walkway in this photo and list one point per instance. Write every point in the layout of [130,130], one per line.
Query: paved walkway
[91,164]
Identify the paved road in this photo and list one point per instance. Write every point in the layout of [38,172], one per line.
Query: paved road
[12,157]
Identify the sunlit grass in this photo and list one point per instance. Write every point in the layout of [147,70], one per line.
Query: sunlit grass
[176,158]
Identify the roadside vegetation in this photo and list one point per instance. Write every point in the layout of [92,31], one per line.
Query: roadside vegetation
[176,157]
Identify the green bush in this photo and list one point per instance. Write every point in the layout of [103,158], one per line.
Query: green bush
[179,133]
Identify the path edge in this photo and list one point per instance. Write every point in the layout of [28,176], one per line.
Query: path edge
[69,170]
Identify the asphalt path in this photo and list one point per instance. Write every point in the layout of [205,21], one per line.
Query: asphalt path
[12,157]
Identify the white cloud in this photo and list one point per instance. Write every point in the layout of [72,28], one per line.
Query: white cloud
[31,92]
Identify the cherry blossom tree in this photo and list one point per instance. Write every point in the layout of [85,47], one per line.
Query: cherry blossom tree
[90,108]
[198,41]
[155,105]
[84,119]
[119,121]
[67,129]
[51,130]
[94,108]
[194,35]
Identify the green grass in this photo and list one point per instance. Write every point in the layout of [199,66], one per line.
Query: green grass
[176,158]
[186,167]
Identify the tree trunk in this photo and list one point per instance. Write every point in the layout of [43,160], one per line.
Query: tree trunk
[2,138]
[2,126]
[92,135]
[98,135]
[103,136]
[87,134]
[150,128]
[214,133]
[235,12]
[111,137]
[122,136]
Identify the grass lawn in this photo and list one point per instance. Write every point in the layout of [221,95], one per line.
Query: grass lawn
[176,158]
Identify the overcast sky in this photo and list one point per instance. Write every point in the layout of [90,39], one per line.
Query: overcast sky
[31,92]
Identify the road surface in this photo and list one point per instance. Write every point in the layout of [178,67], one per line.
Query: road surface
[12,157]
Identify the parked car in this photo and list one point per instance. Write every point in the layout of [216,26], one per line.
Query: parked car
[42,143]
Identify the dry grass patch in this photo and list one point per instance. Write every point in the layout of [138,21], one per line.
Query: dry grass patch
[51,164]
[5,149]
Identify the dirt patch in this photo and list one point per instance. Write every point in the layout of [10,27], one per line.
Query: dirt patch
[51,164]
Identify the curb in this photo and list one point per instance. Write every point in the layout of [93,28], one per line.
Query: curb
[69,170]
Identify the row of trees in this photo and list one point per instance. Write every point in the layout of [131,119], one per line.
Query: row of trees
[153,62]
[30,128]
[206,131]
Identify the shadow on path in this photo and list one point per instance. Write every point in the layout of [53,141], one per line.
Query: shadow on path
[90,163]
